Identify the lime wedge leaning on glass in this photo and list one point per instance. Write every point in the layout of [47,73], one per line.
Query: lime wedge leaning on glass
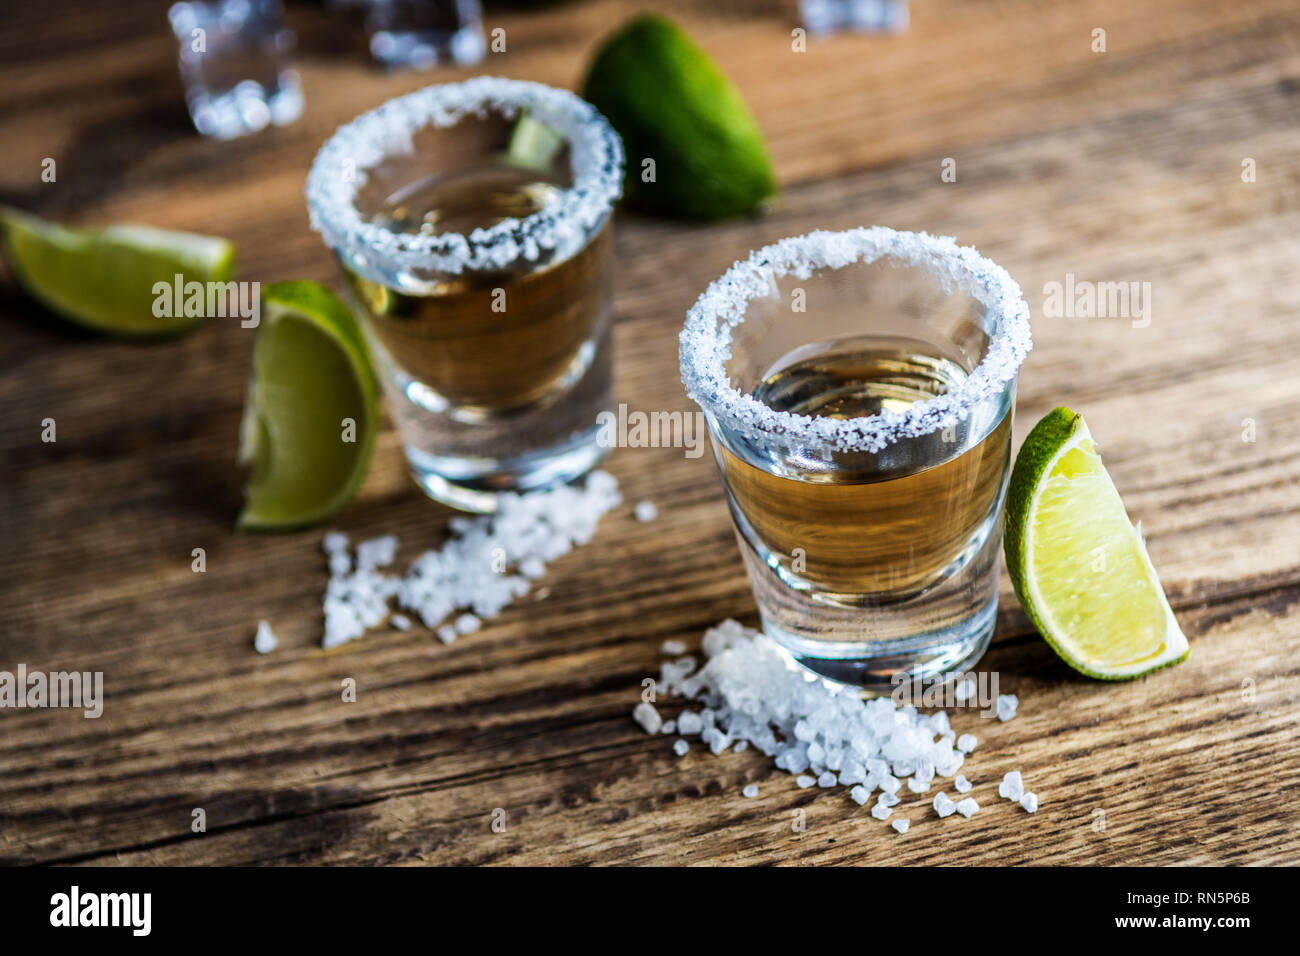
[312,410]
[1078,565]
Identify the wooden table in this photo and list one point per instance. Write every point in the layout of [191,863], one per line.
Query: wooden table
[1115,166]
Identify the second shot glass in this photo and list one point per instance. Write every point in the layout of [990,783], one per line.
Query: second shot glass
[473,225]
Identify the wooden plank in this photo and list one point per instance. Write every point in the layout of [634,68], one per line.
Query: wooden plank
[1123,167]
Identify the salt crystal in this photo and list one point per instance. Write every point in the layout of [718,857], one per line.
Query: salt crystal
[967,807]
[672,648]
[901,825]
[400,621]
[646,511]
[917,785]
[467,624]
[750,791]
[966,743]
[943,805]
[689,722]
[1011,787]
[961,784]
[265,641]
[964,691]
[1007,704]
[446,634]
[804,781]
[669,727]
[334,541]
[880,811]
[1029,800]
[377,552]
[889,799]
[826,780]
[681,747]
[741,745]
[648,717]
[860,795]
[717,741]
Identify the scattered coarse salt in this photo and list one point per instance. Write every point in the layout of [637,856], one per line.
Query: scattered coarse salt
[750,791]
[1011,787]
[646,511]
[672,648]
[1007,704]
[648,717]
[966,743]
[821,733]
[446,633]
[901,825]
[964,691]
[740,746]
[400,621]
[1029,800]
[472,571]
[669,727]
[265,641]
[680,747]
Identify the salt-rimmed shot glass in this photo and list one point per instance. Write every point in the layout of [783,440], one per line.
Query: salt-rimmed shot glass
[858,388]
[473,225]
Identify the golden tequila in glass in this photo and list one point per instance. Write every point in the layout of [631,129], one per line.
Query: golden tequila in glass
[481,275]
[858,388]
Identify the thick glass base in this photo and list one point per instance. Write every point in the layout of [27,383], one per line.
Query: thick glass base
[874,642]
[921,657]
[473,484]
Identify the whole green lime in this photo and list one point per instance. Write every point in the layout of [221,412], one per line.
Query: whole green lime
[693,148]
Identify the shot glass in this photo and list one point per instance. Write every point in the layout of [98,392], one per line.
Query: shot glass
[421,34]
[236,63]
[858,388]
[473,225]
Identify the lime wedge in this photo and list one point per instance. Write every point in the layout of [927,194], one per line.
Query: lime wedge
[1078,565]
[675,108]
[533,144]
[311,416]
[104,279]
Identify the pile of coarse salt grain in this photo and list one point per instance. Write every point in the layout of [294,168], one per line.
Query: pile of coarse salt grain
[489,562]
[822,733]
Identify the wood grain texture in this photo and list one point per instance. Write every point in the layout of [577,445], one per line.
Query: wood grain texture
[1117,166]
